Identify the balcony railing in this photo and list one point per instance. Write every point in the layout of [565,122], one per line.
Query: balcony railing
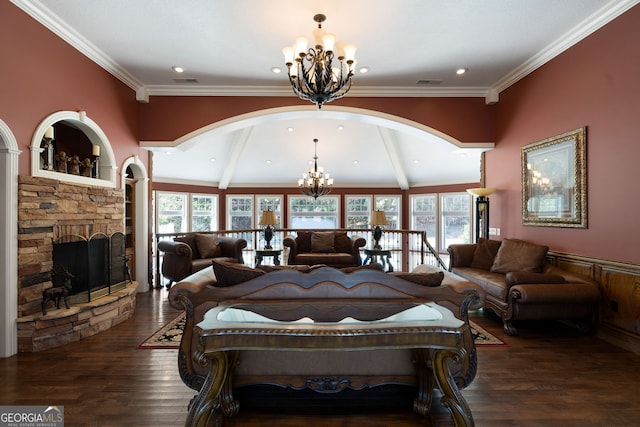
[409,248]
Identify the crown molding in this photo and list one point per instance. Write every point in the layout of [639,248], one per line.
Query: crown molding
[38,11]
[606,14]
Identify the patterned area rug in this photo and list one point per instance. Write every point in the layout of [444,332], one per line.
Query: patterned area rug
[168,337]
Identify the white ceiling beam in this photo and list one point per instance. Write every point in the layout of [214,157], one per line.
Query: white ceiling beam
[239,143]
[390,144]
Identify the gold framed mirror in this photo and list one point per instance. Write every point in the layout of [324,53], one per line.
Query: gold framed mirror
[554,181]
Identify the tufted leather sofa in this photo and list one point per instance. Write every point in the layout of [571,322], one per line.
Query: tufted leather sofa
[519,285]
[330,248]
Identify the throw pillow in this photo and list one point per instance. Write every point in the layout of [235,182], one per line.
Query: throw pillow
[342,242]
[229,273]
[516,255]
[322,241]
[208,246]
[425,279]
[372,266]
[272,268]
[190,239]
[485,253]
[304,242]
[524,277]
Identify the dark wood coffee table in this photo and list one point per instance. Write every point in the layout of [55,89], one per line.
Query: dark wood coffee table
[432,331]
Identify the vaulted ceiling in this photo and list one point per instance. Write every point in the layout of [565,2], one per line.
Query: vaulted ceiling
[410,48]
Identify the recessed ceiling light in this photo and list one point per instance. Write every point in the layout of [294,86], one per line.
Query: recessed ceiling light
[340,127]
[213,159]
[276,70]
[416,161]
[168,153]
[178,69]
[364,70]
[461,71]
[290,129]
[355,162]
[268,162]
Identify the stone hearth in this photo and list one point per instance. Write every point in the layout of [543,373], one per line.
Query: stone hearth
[47,210]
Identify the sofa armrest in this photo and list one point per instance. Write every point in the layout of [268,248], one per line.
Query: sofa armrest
[176,261]
[357,243]
[570,293]
[461,254]
[232,247]
[291,243]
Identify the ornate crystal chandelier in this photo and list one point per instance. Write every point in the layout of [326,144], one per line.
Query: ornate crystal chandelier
[311,71]
[315,182]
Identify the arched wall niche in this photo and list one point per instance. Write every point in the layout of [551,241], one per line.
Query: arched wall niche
[78,120]
[141,220]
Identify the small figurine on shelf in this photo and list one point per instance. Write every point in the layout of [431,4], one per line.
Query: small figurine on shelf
[87,167]
[61,162]
[75,165]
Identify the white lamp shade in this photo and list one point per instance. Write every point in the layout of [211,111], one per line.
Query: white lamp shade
[481,192]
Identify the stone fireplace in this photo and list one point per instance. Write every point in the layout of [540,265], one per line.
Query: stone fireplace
[49,211]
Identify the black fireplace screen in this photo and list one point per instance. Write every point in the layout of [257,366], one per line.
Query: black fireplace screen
[92,267]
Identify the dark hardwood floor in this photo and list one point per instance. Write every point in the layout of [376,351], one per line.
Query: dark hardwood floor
[548,376]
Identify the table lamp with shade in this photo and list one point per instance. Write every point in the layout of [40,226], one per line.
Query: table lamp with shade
[268,221]
[482,210]
[378,220]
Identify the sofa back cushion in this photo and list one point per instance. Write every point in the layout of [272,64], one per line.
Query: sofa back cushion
[343,243]
[323,241]
[190,239]
[485,253]
[516,255]
[208,245]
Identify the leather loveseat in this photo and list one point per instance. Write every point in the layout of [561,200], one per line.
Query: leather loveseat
[187,254]
[520,285]
[330,248]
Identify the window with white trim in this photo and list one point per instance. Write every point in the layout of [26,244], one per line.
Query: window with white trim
[358,211]
[239,212]
[306,213]
[456,224]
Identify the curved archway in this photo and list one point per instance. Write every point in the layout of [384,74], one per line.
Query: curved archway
[141,219]
[94,133]
[359,114]
[391,150]
[9,240]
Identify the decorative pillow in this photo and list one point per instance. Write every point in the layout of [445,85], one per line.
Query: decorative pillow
[516,255]
[272,268]
[342,242]
[190,239]
[229,273]
[524,277]
[322,241]
[208,246]
[372,266]
[303,242]
[485,253]
[425,279]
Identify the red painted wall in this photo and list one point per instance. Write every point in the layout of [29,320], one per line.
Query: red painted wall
[167,118]
[41,74]
[593,84]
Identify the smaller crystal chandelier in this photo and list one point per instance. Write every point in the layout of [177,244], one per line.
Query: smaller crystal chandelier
[315,182]
[313,75]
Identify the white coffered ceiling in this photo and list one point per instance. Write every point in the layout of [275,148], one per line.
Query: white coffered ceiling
[228,47]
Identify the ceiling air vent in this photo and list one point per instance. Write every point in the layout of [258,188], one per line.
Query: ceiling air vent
[185,80]
[429,82]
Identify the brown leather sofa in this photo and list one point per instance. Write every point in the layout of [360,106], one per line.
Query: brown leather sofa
[193,252]
[520,285]
[330,248]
